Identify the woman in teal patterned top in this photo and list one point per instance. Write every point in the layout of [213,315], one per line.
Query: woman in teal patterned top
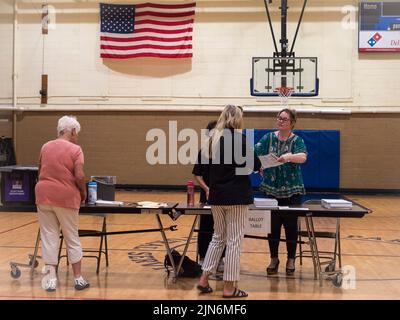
[284,182]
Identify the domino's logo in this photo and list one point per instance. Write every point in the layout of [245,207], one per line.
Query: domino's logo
[375,38]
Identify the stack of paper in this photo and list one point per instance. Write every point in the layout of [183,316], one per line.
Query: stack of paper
[109,203]
[151,204]
[336,203]
[265,202]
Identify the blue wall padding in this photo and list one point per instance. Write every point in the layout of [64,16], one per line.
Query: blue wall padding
[322,169]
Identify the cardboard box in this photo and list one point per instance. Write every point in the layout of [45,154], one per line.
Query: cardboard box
[105,187]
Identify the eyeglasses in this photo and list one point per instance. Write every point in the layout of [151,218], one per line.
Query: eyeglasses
[282,119]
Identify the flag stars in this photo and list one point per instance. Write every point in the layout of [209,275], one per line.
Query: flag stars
[118,18]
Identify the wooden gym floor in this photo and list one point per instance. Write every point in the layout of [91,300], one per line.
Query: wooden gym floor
[370,245]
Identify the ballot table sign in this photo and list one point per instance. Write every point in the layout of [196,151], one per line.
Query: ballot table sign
[258,223]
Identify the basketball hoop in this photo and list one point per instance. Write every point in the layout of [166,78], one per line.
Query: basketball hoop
[284,93]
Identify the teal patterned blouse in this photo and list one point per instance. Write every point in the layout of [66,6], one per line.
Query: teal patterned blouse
[285,180]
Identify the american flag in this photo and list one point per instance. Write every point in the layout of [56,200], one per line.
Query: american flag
[146,30]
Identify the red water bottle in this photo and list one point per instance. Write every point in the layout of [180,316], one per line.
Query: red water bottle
[190,193]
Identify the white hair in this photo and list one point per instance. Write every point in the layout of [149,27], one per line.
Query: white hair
[68,123]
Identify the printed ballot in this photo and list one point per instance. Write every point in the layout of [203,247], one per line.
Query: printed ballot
[270,160]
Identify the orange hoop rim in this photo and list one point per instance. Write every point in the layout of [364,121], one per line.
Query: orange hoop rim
[284,91]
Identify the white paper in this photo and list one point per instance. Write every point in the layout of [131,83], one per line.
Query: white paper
[293,208]
[269,161]
[109,203]
[336,203]
[265,203]
[151,204]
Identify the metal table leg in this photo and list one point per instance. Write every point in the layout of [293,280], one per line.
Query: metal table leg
[314,248]
[334,275]
[338,242]
[188,241]
[168,248]
[166,243]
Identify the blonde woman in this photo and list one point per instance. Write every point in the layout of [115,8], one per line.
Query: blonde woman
[230,193]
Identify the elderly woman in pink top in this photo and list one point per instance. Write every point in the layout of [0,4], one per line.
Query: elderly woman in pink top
[59,193]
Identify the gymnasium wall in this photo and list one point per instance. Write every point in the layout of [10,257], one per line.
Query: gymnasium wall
[115,143]
[110,97]
[227,34]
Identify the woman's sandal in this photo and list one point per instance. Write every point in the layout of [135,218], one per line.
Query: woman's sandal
[273,270]
[236,294]
[206,289]
[290,271]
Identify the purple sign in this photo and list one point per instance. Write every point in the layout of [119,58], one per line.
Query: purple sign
[16,187]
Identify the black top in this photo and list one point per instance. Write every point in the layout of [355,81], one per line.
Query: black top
[229,179]
[202,170]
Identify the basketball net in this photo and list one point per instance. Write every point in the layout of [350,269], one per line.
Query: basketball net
[284,93]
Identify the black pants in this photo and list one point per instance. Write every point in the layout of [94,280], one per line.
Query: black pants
[290,225]
[205,235]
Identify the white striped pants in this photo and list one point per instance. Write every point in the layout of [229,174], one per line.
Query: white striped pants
[229,223]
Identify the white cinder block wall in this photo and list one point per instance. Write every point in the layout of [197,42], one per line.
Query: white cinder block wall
[227,34]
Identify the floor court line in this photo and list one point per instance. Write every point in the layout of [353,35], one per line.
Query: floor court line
[21,226]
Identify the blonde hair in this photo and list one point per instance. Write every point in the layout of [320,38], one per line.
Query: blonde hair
[231,118]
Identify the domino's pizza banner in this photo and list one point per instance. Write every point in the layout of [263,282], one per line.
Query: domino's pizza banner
[379,41]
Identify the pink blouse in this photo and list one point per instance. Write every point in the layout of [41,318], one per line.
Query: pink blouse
[57,185]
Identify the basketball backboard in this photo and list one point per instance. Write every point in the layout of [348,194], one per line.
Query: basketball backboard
[272,73]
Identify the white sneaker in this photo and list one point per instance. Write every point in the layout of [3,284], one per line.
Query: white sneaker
[49,284]
[81,283]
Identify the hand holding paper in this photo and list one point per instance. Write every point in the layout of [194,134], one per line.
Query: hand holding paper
[270,160]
